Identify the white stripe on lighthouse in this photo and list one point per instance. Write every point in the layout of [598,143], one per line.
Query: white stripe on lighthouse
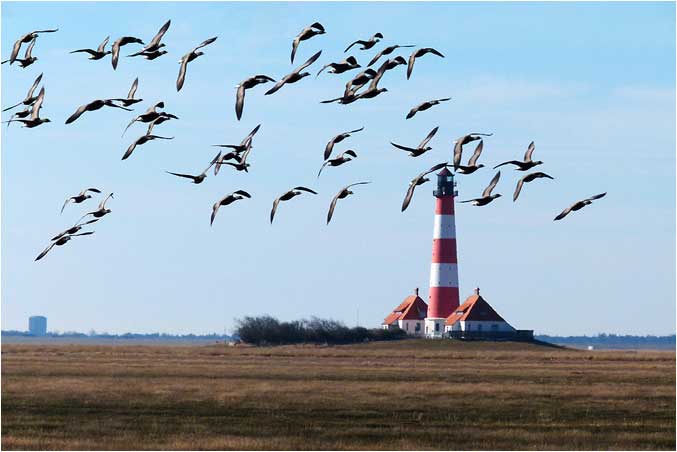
[443,275]
[445,227]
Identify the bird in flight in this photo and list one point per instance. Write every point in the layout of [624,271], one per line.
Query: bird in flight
[200,177]
[296,74]
[34,120]
[28,58]
[29,99]
[151,115]
[527,163]
[425,105]
[97,54]
[228,199]
[387,51]
[337,139]
[80,197]
[307,33]
[472,165]
[368,44]
[528,178]
[100,211]
[119,43]
[419,180]
[187,58]
[61,241]
[465,139]
[417,54]
[578,206]
[342,194]
[339,160]
[422,148]
[287,196]
[143,139]
[130,96]
[93,106]
[154,45]
[73,229]
[487,197]
[340,67]
[25,39]
[245,85]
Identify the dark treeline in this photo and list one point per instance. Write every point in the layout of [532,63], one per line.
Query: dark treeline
[266,330]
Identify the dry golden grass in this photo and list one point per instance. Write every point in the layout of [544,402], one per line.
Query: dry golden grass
[404,395]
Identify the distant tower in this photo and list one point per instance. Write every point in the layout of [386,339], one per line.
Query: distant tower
[443,298]
[37,325]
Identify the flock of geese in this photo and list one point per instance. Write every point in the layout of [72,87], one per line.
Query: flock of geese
[364,85]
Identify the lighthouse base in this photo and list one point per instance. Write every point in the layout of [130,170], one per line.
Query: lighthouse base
[434,327]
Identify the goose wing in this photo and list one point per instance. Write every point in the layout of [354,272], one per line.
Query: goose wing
[187,176]
[46,250]
[156,39]
[410,193]
[115,54]
[294,46]
[239,101]
[77,113]
[251,134]
[33,87]
[332,206]
[310,61]
[272,212]
[592,198]
[410,64]
[103,45]
[492,184]
[565,212]
[29,49]
[204,43]
[413,111]
[278,85]
[65,203]
[308,190]
[131,148]
[476,154]
[182,73]
[35,110]
[530,151]
[428,138]
[404,148]
[15,50]
[132,90]
[518,189]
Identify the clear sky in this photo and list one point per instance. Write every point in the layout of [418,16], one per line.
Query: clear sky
[592,84]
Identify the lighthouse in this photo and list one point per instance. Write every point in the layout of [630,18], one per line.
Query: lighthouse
[443,297]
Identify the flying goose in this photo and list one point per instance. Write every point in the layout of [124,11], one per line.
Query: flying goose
[60,241]
[159,120]
[93,106]
[143,139]
[150,115]
[472,165]
[245,85]
[241,164]
[228,199]
[342,194]
[425,105]
[340,67]
[24,40]
[237,149]
[417,54]
[287,196]
[528,178]
[368,44]
[34,120]
[73,229]
[80,197]
[339,160]
[119,43]
[97,54]
[487,197]
[200,177]
[422,148]
[154,45]
[307,33]
[337,139]
[187,58]
[419,180]
[150,56]
[296,74]
[578,206]
[100,211]
[25,113]
[387,51]
[346,98]
[130,96]
[525,165]
[462,141]
[28,58]
[29,99]
[360,80]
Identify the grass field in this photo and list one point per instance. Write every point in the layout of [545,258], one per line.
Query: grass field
[404,395]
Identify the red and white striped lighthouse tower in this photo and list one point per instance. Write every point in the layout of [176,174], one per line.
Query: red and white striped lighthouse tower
[443,298]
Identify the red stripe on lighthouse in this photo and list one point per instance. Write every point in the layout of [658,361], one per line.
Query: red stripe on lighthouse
[443,310]
[443,206]
[444,251]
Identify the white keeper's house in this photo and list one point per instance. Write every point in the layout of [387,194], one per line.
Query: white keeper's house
[408,316]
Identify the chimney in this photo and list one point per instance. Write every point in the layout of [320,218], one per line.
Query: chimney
[416,291]
[477,291]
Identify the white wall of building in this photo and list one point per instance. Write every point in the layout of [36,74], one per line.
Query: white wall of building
[475,325]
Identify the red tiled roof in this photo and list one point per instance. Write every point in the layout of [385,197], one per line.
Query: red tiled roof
[474,308]
[412,308]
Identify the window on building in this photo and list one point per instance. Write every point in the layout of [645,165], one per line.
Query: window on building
[406,326]
[437,326]
[418,326]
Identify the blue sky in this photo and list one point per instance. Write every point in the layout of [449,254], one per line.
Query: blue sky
[592,84]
